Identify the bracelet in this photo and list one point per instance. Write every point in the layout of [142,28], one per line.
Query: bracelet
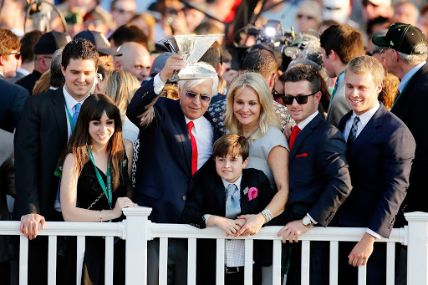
[101,216]
[267,214]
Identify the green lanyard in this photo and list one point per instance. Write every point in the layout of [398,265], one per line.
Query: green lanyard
[107,190]
[70,119]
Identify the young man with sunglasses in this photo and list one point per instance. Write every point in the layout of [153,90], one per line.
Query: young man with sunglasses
[175,141]
[318,172]
[12,97]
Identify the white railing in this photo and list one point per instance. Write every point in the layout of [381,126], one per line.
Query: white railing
[136,229]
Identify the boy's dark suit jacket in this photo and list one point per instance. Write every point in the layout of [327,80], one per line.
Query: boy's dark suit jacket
[380,159]
[411,108]
[207,195]
[164,160]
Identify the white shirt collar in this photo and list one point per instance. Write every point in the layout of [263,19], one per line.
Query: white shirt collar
[365,118]
[406,78]
[198,123]
[306,121]
[70,101]
[237,183]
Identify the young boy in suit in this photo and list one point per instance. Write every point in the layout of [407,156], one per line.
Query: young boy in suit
[220,192]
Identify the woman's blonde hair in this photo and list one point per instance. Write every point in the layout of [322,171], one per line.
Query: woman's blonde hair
[267,118]
[121,87]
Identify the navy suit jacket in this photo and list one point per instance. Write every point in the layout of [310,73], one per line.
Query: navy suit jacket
[410,107]
[380,160]
[12,100]
[319,175]
[164,161]
[40,138]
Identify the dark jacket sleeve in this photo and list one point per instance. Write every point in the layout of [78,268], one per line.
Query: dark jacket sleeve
[195,207]
[143,97]
[398,155]
[332,162]
[26,160]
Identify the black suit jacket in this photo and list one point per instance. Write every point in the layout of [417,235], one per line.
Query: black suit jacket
[411,108]
[164,160]
[207,195]
[380,160]
[40,138]
[319,175]
[12,100]
[29,81]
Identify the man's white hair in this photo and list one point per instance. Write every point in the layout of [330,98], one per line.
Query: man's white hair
[197,73]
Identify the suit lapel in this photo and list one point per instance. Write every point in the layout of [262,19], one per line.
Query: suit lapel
[304,134]
[401,97]
[186,145]
[244,197]
[343,121]
[220,194]
[58,109]
[370,130]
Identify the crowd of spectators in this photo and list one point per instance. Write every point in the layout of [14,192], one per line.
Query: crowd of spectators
[100,110]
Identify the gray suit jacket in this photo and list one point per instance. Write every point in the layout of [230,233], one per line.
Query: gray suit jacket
[339,107]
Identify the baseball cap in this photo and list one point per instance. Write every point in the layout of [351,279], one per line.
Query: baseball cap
[99,40]
[51,41]
[401,37]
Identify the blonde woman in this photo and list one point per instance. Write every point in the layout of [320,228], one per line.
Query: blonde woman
[121,86]
[250,113]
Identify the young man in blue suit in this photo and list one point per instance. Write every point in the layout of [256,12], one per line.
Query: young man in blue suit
[319,176]
[175,140]
[380,153]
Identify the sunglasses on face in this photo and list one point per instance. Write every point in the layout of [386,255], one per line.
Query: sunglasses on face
[17,55]
[193,95]
[276,93]
[367,2]
[307,17]
[122,11]
[300,99]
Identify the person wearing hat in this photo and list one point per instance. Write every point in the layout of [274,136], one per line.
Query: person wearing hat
[405,52]
[43,50]
[105,51]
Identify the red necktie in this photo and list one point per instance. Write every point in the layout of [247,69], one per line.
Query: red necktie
[294,133]
[190,126]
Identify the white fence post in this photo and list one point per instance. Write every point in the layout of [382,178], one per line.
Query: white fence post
[137,232]
[417,248]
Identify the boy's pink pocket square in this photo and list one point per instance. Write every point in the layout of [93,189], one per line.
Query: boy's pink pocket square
[252,193]
[304,154]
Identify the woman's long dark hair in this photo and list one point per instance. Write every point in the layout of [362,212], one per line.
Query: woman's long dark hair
[92,109]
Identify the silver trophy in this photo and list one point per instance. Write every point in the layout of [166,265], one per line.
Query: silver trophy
[190,47]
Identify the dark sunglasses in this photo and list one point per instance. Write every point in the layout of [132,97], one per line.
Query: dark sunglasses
[367,2]
[300,99]
[193,95]
[276,94]
[123,11]
[16,54]
[308,17]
